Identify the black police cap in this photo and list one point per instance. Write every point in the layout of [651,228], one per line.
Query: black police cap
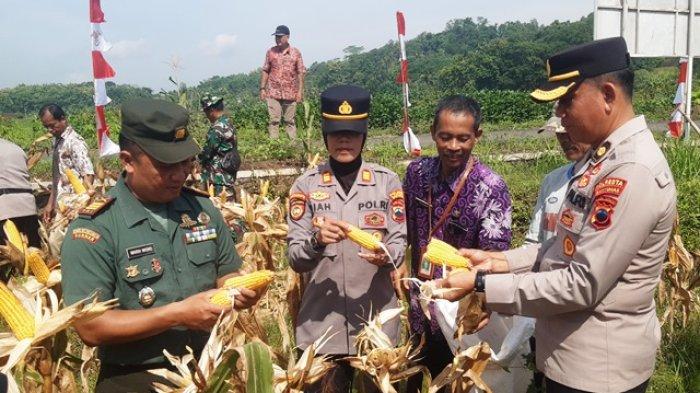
[344,108]
[572,66]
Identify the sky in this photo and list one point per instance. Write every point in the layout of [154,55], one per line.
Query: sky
[48,41]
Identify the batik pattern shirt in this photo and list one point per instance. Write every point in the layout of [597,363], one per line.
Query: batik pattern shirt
[480,218]
[69,152]
[221,139]
[284,68]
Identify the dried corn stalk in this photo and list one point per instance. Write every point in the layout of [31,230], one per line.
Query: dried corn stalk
[377,356]
[309,369]
[465,371]
[681,278]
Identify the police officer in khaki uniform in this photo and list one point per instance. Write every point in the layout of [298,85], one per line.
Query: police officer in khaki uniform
[159,248]
[593,294]
[344,284]
[16,199]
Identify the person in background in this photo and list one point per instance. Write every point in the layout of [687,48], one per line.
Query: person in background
[219,158]
[553,189]
[16,199]
[344,284]
[282,83]
[69,152]
[458,199]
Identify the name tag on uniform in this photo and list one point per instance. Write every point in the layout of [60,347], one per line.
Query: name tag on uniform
[200,236]
[139,251]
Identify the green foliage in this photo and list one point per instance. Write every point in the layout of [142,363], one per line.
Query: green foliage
[73,97]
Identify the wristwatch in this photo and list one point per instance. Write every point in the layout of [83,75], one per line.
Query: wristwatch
[479,281]
[314,242]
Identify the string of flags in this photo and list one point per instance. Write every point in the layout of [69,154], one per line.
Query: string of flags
[410,142]
[101,71]
[675,126]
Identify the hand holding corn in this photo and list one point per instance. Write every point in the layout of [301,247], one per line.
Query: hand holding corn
[330,231]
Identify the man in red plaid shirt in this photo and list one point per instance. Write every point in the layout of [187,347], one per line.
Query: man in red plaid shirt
[282,83]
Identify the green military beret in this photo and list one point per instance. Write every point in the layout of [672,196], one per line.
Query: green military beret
[208,100]
[159,128]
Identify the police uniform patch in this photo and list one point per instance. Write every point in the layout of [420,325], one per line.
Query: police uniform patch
[396,194]
[584,180]
[88,235]
[567,219]
[600,151]
[569,246]
[317,221]
[95,207]
[297,205]
[366,176]
[319,195]
[326,177]
[601,217]
[374,220]
[612,186]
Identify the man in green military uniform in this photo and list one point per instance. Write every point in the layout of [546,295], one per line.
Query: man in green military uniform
[219,157]
[159,248]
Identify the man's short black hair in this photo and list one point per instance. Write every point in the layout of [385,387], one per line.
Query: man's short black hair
[459,104]
[55,111]
[623,78]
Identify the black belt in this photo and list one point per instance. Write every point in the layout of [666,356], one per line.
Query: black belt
[4,191]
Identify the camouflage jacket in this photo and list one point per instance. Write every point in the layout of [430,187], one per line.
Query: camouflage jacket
[221,139]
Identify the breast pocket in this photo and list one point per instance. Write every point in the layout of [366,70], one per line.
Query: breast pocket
[202,256]
[144,286]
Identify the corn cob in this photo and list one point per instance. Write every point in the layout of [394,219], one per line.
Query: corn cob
[13,236]
[75,182]
[364,239]
[210,190]
[253,281]
[18,318]
[38,266]
[440,253]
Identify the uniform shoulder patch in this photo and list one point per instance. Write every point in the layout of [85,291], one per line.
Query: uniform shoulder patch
[88,235]
[297,205]
[196,191]
[96,207]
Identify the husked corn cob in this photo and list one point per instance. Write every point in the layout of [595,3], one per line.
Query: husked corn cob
[13,236]
[364,239]
[440,253]
[254,280]
[210,190]
[75,182]
[18,318]
[38,266]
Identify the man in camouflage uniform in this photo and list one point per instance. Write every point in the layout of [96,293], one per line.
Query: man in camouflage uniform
[219,157]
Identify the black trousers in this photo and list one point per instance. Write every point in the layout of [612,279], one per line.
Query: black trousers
[556,387]
[128,379]
[29,225]
[435,356]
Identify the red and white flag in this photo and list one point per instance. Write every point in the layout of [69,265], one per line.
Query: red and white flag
[410,142]
[101,70]
[675,126]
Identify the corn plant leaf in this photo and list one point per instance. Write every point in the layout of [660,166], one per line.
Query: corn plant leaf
[218,382]
[258,363]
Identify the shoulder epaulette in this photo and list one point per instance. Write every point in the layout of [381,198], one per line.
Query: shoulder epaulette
[197,191]
[94,208]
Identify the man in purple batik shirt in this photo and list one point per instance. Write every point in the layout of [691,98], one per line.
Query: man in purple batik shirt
[480,216]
